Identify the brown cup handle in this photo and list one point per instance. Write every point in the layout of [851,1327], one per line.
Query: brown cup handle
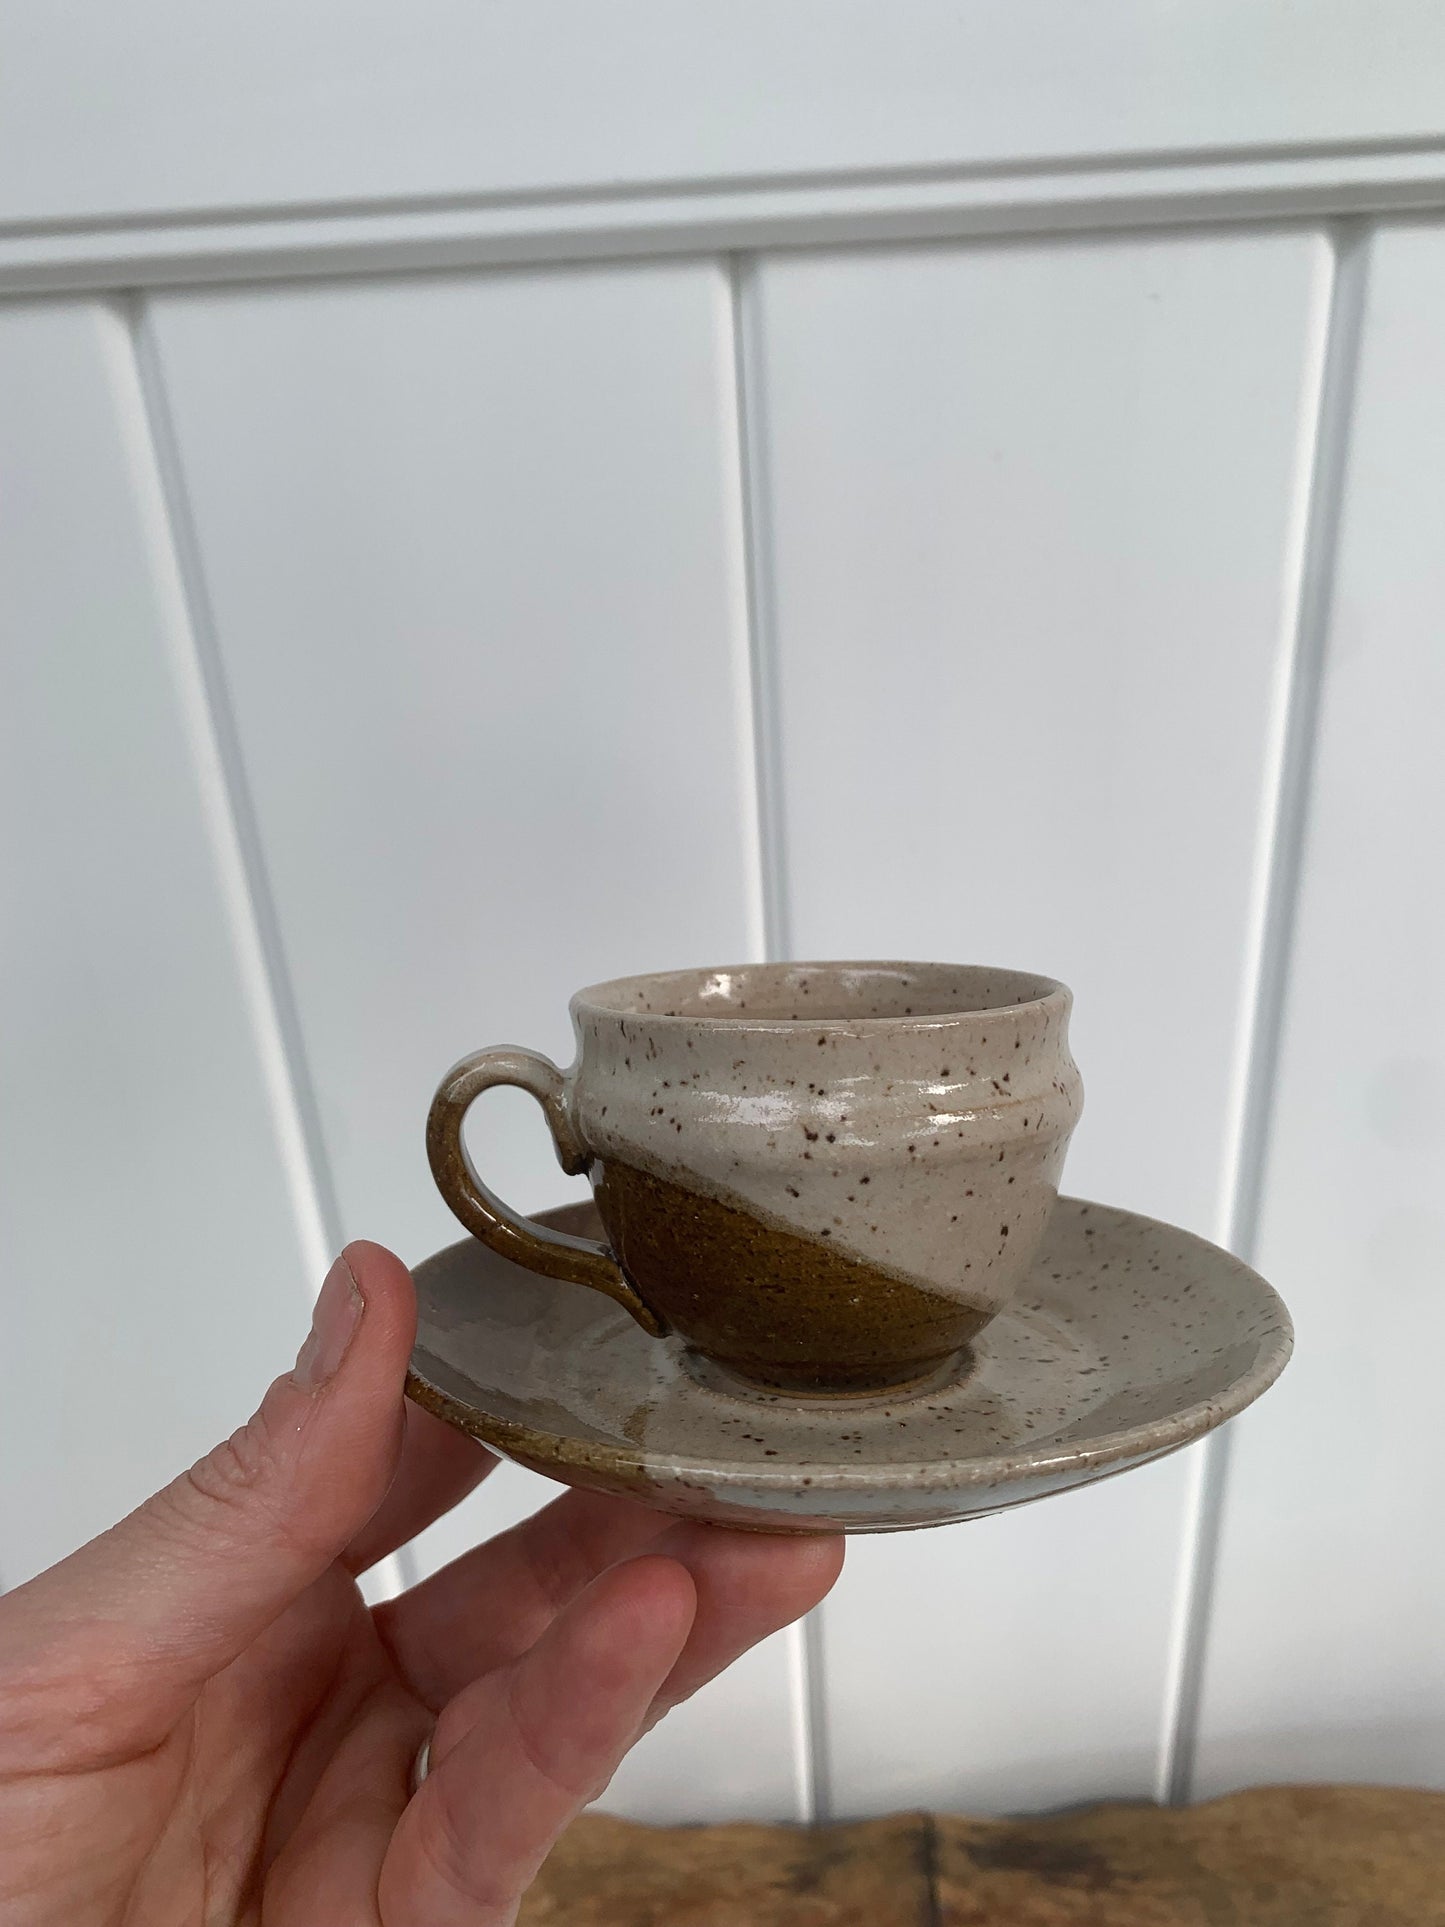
[555,1254]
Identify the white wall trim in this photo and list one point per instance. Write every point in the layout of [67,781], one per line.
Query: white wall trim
[686,217]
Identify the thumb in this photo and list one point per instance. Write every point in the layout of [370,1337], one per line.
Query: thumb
[152,1609]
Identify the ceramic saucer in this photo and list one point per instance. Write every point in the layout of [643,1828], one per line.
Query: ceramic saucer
[1130,1339]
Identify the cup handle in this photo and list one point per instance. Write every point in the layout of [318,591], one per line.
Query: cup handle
[555,1254]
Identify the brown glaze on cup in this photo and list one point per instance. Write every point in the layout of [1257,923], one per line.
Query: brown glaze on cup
[783,1311]
[825,1177]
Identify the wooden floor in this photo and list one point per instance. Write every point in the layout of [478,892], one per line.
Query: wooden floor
[1273,1857]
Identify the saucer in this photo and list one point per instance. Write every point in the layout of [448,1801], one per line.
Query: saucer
[1129,1339]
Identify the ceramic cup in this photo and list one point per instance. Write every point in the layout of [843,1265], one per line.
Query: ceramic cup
[826,1178]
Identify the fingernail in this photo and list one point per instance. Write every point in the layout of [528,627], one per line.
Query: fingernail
[338,1310]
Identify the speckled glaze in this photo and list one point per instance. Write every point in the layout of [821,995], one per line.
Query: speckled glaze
[826,1177]
[1127,1340]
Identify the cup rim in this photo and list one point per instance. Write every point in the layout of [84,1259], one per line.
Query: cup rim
[610,997]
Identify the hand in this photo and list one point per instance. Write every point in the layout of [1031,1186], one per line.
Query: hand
[202,1723]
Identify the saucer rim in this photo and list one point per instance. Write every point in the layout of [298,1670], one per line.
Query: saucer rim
[1148,1438]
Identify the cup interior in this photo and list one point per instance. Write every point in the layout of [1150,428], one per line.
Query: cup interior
[819,993]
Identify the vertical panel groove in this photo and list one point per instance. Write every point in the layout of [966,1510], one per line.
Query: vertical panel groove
[230,817]
[812,1693]
[806,1675]
[749,403]
[743,625]
[1324,462]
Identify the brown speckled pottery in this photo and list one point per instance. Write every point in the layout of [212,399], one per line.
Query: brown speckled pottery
[1126,1340]
[826,1178]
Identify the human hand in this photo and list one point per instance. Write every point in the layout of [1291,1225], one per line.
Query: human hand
[201,1722]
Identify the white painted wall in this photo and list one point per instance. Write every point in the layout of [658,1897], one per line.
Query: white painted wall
[972,493]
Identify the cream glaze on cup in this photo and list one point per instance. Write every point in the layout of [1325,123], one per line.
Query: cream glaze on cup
[825,1177]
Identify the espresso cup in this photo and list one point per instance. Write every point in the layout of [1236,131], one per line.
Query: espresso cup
[824,1177]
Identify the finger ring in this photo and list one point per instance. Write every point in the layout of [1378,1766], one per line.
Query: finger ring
[421,1765]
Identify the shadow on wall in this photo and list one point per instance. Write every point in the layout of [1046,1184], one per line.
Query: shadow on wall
[1336,1753]
[1235,1762]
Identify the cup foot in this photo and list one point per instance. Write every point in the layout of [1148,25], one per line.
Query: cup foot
[716,1377]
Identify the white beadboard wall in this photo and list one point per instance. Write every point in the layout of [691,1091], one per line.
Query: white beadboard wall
[981,501]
